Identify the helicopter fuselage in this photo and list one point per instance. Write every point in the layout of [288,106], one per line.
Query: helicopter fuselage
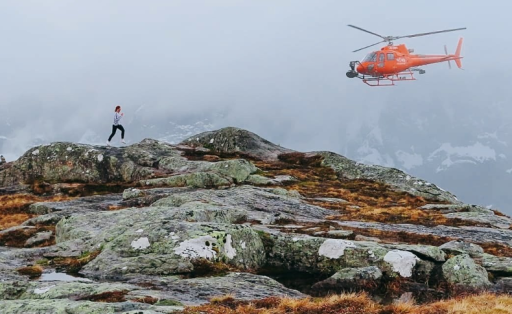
[395,59]
[393,63]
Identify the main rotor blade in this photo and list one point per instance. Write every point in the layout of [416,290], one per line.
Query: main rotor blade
[430,33]
[364,30]
[369,46]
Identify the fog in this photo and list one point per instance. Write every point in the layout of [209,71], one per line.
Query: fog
[276,68]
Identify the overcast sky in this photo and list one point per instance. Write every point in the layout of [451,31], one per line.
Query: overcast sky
[276,68]
[271,63]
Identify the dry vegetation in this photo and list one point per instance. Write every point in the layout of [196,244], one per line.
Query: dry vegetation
[13,208]
[355,304]
[366,200]
[18,238]
[110,296]
[31,271]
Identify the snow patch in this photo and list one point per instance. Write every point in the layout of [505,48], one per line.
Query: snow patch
[334,248]
[211,141]
[141,243]
[100,157]
[140,230]
[476,153]
[198,247]
[402,261]
[69,149]
[36,152]
[242,244]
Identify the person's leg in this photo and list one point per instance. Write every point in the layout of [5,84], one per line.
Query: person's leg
[114,129]
[122,131]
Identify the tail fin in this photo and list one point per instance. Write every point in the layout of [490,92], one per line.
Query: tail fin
[457,54]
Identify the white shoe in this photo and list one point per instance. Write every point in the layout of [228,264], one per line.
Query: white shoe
[122,141]
[108,143]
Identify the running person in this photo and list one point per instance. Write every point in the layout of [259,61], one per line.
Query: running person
[117,117]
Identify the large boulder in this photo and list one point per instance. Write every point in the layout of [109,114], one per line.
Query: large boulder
[69,162]
[462,270]
[237,141]
[327,256]
[176,248]
[162,240]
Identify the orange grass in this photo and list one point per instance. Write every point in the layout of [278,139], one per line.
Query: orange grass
[366,200]
[485,303]
[13,208]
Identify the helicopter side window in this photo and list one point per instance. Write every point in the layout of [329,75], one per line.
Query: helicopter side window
[391,56]
[371,57]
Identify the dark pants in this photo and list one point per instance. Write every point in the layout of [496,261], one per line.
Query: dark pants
[114,129]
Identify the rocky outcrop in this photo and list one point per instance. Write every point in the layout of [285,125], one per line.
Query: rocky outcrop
[227,212]
[233,140]
[349,169]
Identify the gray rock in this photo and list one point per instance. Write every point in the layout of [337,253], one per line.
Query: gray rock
[132,193]
[455,208]
[243,286]
[261,204]
[71,290]
[171,248]
[349,278]
[196,180]
[470,234]
[64,306]
[12,285]
[69,162]
[503,285]
[39,238]
[458,247]
[233,140]
[499,265]
[426,251]
[463,270]
[258,180]
[483,218]
[327,256]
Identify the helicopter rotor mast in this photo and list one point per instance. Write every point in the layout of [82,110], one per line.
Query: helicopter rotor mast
[389,39]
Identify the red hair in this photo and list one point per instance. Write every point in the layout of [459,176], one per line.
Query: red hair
[117,108]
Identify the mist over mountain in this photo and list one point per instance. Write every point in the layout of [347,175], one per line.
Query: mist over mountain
[277,69]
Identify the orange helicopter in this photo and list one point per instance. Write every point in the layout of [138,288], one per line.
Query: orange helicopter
[396,63]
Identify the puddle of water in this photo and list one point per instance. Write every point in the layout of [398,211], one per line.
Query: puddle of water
[54,276]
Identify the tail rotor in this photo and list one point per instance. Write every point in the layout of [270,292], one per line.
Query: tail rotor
[446,52]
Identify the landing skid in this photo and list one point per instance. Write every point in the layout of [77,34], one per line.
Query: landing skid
[389,80]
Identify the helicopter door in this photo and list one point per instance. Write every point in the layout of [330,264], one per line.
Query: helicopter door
[390,60]
[381,60]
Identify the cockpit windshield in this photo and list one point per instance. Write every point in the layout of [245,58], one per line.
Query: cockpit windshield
[371,57]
